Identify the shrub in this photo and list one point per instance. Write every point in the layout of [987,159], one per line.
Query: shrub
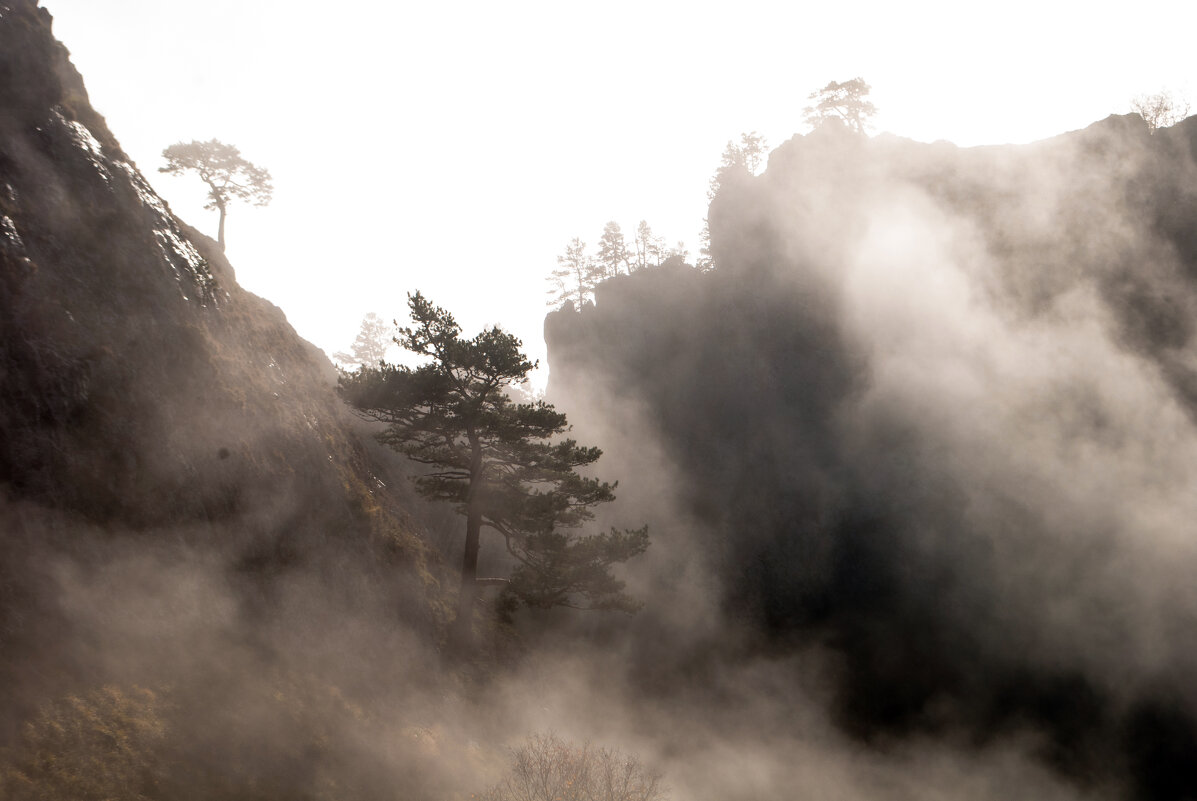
[545,768]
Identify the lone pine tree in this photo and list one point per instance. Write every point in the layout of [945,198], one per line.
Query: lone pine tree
[846,102]
[500,463]
[228,176]
[370,345]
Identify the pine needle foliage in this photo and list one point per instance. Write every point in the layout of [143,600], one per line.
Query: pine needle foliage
[503,465]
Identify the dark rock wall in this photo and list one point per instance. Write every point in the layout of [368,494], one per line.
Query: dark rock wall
[873,409]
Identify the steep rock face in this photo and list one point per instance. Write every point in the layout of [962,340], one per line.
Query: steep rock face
[163,431]
[932,419]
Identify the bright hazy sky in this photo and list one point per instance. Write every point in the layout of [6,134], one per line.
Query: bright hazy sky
[456,147]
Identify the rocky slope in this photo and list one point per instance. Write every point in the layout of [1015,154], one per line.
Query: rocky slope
[185,505]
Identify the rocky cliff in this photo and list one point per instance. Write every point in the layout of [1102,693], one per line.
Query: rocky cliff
[185,505]
[930,423]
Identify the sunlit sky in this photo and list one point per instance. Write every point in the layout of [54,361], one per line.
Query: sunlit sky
[456,148]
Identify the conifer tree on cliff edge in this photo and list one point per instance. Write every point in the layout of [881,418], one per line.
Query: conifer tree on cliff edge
[500,463]
[228,176]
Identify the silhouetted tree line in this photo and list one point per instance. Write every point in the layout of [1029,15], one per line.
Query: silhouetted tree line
[742,159]
[578,272]
[845,104]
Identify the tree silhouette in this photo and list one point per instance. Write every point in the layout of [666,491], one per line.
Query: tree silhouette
[575,276]
[738,161]
[749,155]
[612,251]
[370,346]
[1160,110]
[649,247]
[499,463]
[228,176]
[846,102]
[743,159]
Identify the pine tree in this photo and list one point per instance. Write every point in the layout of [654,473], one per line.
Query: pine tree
[612,251]
[738,160]
[228,176]
[370,346]
[575,277]
[650,249]
[501,464]
[846,102]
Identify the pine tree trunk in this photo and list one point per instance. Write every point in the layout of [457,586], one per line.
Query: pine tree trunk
[463,626]
[462,635]
[220,231]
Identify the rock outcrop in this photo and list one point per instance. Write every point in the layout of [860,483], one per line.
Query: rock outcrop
[932,414]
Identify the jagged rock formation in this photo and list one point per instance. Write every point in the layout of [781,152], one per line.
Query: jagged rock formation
[932,418]
[180,487]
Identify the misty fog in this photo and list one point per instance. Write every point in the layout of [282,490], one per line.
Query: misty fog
[916,458]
